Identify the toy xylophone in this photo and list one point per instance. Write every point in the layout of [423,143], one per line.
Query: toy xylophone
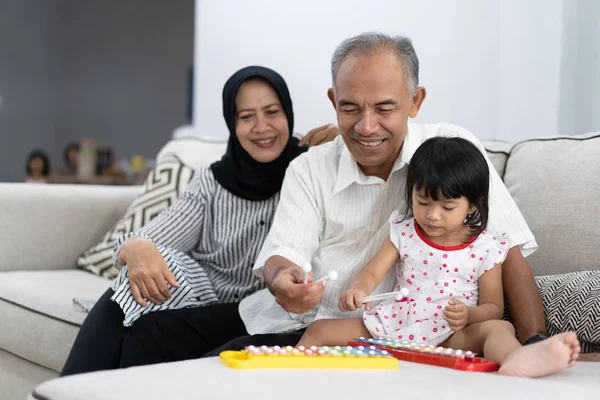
[438,356]
[338,357]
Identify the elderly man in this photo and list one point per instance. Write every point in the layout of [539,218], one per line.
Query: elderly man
[336,200]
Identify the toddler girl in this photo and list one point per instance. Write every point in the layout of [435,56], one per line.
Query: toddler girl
[451,267]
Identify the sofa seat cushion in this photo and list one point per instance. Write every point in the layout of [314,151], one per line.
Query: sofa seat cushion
[410,381]
[39,323]
[555,183]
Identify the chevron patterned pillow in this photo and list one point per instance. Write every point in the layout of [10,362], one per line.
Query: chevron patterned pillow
[163,186]
[572,303]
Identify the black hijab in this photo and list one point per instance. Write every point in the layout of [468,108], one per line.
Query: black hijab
[237,171]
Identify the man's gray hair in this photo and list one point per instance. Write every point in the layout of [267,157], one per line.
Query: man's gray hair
[369,43]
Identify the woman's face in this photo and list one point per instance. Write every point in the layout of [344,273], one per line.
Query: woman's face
[260,122]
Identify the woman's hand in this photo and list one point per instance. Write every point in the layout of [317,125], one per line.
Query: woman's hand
[320,135]
[148,271]
[352,299]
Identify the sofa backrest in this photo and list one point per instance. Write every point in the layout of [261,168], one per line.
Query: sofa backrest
[556,185]
[498,152]
[195,151]
[554,181]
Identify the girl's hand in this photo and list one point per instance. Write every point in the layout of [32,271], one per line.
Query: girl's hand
[352,299]
[456,314]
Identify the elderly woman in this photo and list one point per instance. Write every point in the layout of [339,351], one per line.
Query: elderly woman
[183,275]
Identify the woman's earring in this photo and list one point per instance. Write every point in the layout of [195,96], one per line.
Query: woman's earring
[467,219]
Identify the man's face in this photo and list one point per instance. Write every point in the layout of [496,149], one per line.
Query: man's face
[373,103]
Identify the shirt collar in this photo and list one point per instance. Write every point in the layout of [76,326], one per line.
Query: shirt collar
[412,141]
[349,172]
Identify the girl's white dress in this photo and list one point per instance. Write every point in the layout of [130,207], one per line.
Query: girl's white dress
[433,274]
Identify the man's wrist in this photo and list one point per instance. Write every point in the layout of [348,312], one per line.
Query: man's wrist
[537,338]
[271,275]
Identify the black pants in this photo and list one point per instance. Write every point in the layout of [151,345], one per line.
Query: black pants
[271,339]
[173,335]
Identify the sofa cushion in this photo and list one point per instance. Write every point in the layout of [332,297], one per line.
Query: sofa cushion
[163,186]
[195,151]
[47,226]
[572,303]
[409,381]
[18,377]
[497,152]
[556,185]
[38,304]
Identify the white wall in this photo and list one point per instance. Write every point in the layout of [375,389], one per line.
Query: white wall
[587,84]
[528,87]
[491,66]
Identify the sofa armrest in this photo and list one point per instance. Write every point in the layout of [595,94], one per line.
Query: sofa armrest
[48,226]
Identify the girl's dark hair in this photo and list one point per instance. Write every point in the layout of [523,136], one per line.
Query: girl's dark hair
[43,156]
[451,167]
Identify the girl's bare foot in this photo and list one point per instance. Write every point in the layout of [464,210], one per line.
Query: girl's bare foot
[543,358]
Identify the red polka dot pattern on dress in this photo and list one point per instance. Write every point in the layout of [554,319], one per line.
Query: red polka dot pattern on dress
[434,275]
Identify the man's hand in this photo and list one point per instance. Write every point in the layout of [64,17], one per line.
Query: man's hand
[352,299]
[292,294]
[456,314]
[148,271]
[322,134]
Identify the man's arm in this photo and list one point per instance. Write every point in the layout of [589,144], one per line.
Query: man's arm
[522,296]
[273,266]
[292,241]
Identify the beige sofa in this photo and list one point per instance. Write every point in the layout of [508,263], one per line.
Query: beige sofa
[46,227]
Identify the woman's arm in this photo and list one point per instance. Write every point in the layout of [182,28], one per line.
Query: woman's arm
[176,228]
[179,226]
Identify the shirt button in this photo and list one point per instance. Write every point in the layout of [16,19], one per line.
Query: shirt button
[262,222]
[252,265]
[236,296]
[324,313]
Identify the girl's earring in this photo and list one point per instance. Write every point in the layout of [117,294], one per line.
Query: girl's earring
[467,219]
